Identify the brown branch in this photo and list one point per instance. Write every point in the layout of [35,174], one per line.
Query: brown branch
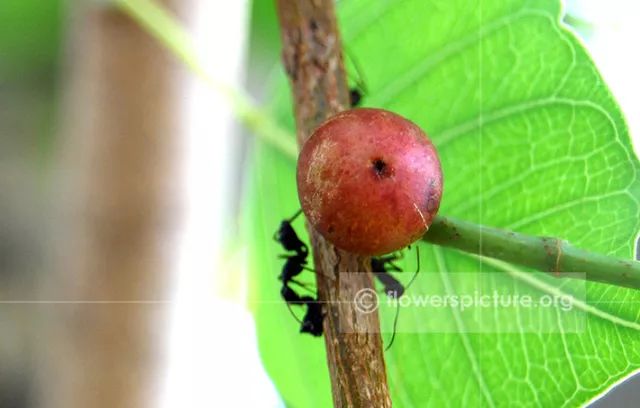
[117,161]
[313,60]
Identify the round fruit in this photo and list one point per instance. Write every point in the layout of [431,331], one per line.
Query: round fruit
[369,181]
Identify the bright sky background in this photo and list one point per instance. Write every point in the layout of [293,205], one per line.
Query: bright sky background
[613,43]
[213,358]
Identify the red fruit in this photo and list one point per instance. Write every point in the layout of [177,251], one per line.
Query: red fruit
[369,181]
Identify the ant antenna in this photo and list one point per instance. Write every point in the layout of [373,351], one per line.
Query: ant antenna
[293,314]
[295,215]
[306,268]
[413,278]
[360,83]
[395,325]
[415,275]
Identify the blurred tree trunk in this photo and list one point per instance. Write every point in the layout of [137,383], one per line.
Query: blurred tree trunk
[115,241]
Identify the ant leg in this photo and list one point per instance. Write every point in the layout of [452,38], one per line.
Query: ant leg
[394,267]
[306,268]
[291,298]
[312,322]
[302,285]
[396,256]
[293,314]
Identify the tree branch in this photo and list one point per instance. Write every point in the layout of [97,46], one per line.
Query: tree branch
[545,254]
[312,57]
[119,134]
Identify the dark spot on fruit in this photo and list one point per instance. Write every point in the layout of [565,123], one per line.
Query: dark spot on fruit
[380,168]
[331,229]
[433,201]
[379,165]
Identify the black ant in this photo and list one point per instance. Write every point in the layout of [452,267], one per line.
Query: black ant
[381,266]
[359,90]
[288,238]
[294,265]
[312,321]
[355,96]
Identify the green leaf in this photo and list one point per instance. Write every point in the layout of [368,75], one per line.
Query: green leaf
[530,139]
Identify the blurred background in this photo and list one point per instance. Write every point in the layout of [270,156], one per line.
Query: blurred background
[122,278]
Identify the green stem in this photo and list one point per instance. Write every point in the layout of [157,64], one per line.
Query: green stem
[542,253]
[169,33]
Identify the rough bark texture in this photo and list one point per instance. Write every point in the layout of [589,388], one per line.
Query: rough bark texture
[118,197]
[312,57]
